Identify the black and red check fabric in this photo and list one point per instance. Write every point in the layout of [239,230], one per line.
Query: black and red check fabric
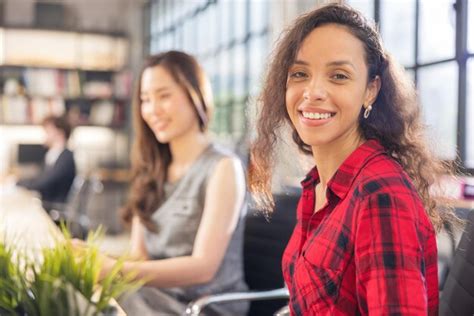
[371,250]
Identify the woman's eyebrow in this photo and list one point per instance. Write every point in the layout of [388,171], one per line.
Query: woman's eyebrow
[332,63]
[300,62]
[157,90]
[341,63]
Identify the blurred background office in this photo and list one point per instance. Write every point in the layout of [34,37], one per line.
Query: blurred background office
[79,58]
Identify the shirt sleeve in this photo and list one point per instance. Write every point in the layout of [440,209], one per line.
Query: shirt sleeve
[52,176]
[390,269]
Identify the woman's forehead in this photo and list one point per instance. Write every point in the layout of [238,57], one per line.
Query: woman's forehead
[331,43]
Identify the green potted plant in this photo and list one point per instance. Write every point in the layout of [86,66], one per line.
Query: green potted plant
[63,283]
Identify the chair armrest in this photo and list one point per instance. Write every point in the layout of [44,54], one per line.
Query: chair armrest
[194,308]
[47,205]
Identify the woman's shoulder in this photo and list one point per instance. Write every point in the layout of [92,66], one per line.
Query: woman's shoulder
[383,174]
[220,159]
[384,188]
[219,154]
[220,151]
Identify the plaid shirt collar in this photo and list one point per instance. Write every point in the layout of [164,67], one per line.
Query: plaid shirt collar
[341,181]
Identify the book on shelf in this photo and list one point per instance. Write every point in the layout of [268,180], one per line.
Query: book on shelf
[122,84]
[41,82]
[97,89]
[93,98]
[42,107]
[15,109]
[73,84]
[52,82]
[102,113]
[18,109]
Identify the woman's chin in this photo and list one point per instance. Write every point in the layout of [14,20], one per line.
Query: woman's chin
[162,137]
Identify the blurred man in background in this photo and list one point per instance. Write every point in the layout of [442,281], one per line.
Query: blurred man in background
[57,176]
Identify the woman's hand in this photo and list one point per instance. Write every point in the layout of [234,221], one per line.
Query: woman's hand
[107,263]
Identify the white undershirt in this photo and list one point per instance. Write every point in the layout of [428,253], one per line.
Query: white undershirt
[52,155]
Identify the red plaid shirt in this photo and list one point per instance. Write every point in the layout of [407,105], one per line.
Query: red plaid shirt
[370,250]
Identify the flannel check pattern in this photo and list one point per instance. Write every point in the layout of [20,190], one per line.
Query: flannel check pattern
[371,250]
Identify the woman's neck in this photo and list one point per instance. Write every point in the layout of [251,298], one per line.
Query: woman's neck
[328,158]
[186,149]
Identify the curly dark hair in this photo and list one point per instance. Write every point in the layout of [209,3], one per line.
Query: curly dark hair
[150,158]
[395,120]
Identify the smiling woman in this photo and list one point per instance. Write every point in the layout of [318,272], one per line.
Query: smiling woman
[365,241]
[186,201]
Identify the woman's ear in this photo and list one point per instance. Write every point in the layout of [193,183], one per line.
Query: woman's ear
[373,89]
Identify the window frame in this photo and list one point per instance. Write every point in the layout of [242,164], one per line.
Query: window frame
[462,55]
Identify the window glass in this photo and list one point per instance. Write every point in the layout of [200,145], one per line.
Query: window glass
[239,72]
[225,75]
[438,87]
[259,15]
[154,27]
[398,29]
[209,30]
[437,30]
[189,36]
[200,26]
[364,6]
[153,45]
[224,8]
[178,34]
[237,120]
[258,52]
[240,18]
[209,65]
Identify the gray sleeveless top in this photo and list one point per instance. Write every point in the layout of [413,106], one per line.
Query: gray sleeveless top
[177,222]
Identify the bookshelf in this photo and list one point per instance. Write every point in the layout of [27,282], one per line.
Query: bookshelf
[81,75]
[97,98]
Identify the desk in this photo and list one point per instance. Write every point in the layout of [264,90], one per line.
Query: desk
[25,223]
[469,204]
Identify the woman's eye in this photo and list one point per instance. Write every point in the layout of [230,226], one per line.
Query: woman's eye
[297,75]
[340,76]
[164,96]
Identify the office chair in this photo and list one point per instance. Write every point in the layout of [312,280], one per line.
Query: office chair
[73,211]
[264,243]
[457,297]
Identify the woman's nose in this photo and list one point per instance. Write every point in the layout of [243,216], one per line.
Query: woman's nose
[155,106]
[315,91]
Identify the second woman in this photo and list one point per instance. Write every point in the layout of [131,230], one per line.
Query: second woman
[186,204]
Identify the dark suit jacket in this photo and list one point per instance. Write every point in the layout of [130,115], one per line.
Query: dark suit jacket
[54,181]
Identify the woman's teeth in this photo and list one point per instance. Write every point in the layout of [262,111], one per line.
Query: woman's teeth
[316,116]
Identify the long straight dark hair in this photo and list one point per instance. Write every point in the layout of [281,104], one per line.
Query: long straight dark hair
[150,158]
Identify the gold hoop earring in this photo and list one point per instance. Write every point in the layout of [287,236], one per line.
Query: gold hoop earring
[367,111]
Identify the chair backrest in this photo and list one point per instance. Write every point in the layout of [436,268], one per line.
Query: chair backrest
[76,192]
[264,243]
[73,210]
[457,297]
